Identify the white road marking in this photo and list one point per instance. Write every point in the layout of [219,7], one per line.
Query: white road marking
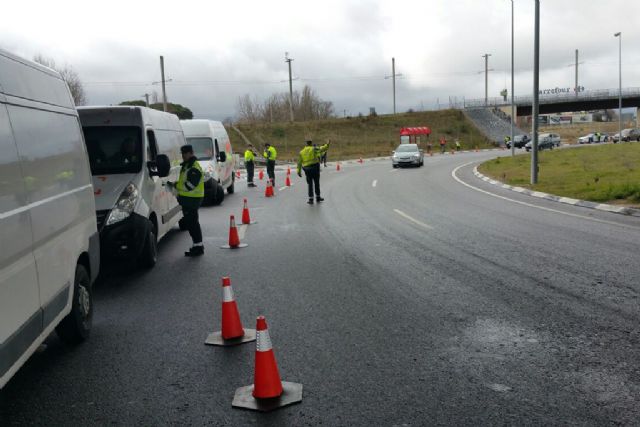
[393,170]
[242,230]
[282,188]
[374,183]
[455,171]
[415,221]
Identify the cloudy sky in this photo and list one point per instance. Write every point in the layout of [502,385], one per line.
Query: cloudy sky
[216,51]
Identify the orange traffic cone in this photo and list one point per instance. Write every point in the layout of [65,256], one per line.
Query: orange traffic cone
[268,191]
[234,239]
[246,217]
[232,332]
[288,171]
[287,181]
[261,174]
[268,392]
[338,167]
[360,161]
[238,174]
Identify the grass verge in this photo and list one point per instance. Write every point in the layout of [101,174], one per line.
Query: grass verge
[605,174]
[353,137]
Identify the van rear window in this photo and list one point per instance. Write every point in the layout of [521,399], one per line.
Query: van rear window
[114,149]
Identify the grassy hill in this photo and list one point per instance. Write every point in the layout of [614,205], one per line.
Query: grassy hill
[360,136]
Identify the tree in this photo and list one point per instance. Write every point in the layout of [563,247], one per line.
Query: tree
[181,111]
[307,105]
[69,75]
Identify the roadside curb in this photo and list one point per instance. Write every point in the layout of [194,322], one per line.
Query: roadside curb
[566,200]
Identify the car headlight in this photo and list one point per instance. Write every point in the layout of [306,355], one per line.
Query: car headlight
[125,205]
[416,156]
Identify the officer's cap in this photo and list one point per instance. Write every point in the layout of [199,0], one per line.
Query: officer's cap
[186,149]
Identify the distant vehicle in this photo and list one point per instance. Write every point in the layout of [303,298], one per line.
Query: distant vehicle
[133,152]
[628,135]
[592,138]
[50,247]
[554,138]
[543,143]
[212,147]
[519,141]
[407,155]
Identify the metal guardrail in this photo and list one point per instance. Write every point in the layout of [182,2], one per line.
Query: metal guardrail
[591,95]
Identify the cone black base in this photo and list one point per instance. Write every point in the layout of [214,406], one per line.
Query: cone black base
[215,338]
[241,245]
[291,393]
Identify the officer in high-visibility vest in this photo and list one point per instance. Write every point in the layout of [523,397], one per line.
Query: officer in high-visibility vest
[249,158]
[309,160]
[270,155]
[190,188]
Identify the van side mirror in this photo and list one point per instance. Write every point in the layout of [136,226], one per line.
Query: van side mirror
[161,167]
[222,157]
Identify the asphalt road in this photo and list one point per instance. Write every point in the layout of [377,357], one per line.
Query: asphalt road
[406,298]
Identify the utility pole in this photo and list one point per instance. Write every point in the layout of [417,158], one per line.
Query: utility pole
[146,98]
[288,61]
[393,74]
[393,79]
[486,78]
[513,112]
[164,91]
[619,35]
[577,89]
[536,96]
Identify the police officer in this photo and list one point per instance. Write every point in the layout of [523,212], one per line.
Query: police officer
[249,157]
[270,155]
[309,160]
[190,188]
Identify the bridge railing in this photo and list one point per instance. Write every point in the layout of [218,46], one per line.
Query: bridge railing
[550,98]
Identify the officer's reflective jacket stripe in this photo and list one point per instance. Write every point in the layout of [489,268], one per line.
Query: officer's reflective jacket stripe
[191,180]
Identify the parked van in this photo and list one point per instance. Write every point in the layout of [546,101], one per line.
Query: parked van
[50,248]
[133,152]
[212,147]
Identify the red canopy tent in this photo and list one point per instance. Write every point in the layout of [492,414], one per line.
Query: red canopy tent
[414,132]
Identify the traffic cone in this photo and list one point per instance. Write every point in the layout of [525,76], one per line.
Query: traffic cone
[234,239]
[287,181]
[261,174]
[268,392]
[246,217]
[338,167]
[360,161]
[268,191]
[237,174]
[288,171]
[232,332]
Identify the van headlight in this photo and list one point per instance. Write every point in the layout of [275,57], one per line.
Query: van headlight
[125,205]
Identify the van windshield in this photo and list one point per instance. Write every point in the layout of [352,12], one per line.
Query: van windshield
[114,149]
[202,147]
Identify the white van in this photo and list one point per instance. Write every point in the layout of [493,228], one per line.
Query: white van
[133,152]
[50,247]
[212,147]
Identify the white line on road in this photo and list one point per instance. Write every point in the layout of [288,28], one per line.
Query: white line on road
[282,188]
[415,221]
[455,176]
[374,183]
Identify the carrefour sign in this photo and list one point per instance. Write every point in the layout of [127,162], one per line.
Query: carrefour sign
[561,90]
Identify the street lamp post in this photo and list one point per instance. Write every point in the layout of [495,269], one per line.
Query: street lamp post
[513,147]
[536,94]
[619,35]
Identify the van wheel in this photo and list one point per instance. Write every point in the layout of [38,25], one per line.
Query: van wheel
[149,255]
[76,327]
[218,195]
[231,188]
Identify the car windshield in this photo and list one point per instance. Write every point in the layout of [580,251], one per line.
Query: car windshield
[114,149]
[407,148]
[202,147]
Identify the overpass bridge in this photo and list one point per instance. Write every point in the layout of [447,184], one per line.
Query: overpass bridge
[605,99]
